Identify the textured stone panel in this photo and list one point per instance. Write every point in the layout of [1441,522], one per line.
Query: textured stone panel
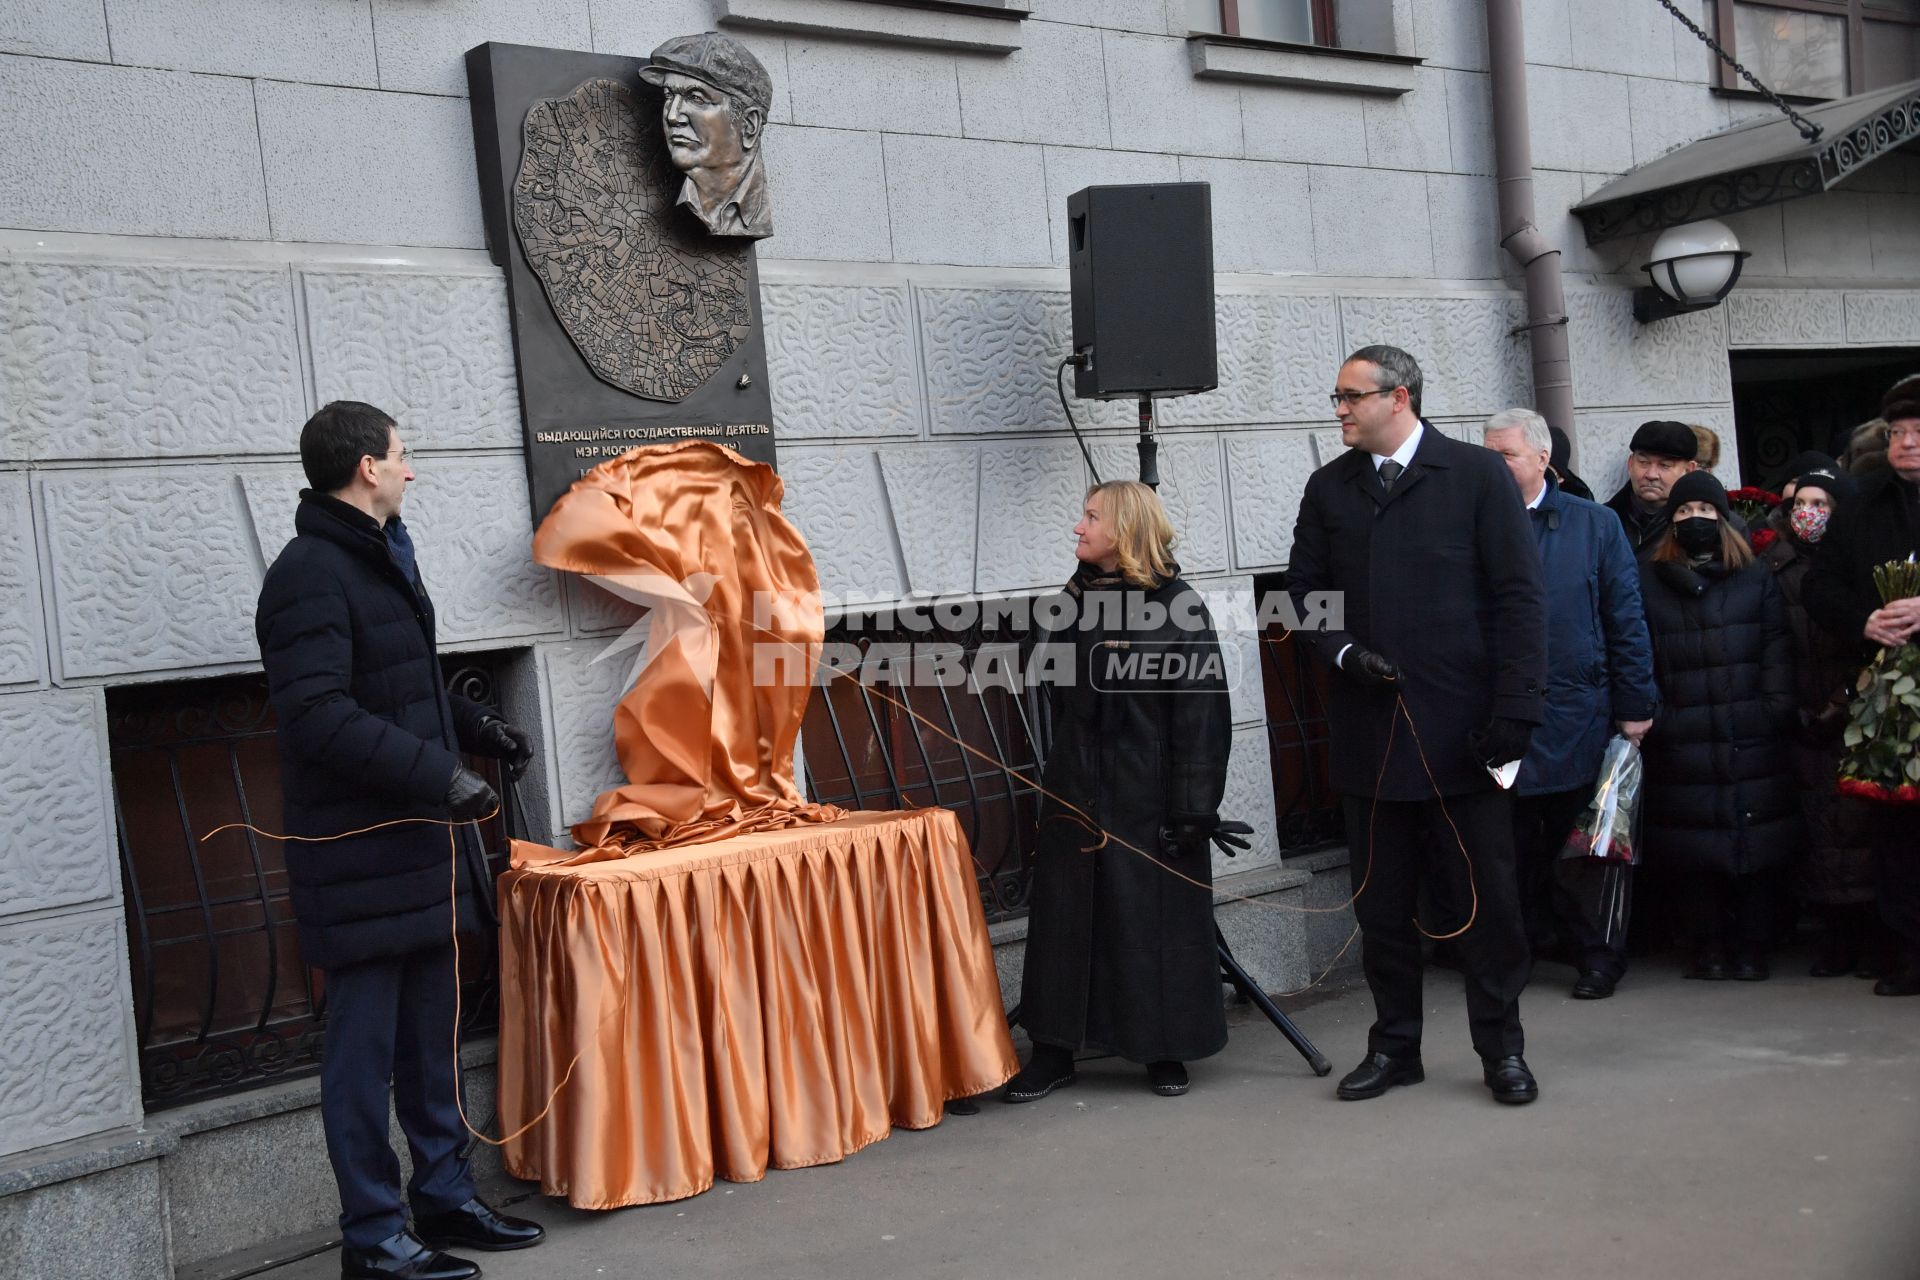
[271,495]
[1327,445]
[1580,120]
[348,166]
[830,193]
[1468,360]
[1183,115]
[1465,216]
[119,1214]
[963,201]
[852,86]
[1266,474]
[1261,213]
[469,520]
[1192,490]
[1278,355]
[1355,233]
[990,359]
[1619,361]
[1069,169]
[65,1066]
[934,494]
[841,360]
[1051,89]
[56,813]
[836,499]
[133,362]
[152,570]
[316,43]
[1232,604]
[1883,317]
[1628,37]
[1410,130]
[128,151]
[1303,125]
[595,609]
[436,352]
[54,29]
[582,693]
[21,648]
[1249,799]
[1029,502]
[423,45]
[1786,317]
[1600,455]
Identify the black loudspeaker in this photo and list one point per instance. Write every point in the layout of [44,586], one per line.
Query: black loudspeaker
[1141,260]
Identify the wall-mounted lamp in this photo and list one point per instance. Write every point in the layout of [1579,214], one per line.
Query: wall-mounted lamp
[1693,267]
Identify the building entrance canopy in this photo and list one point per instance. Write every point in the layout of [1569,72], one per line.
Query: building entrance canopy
[1760,163]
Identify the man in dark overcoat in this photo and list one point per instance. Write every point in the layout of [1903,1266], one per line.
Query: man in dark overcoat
[1659,454]
[1880,524]
[368,735]
[1439,665]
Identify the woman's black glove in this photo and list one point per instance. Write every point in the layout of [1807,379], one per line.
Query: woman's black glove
[469,798]
[1369,668]
[503,741]
[1503,741]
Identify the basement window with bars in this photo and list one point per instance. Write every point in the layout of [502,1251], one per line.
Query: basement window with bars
[223,1000]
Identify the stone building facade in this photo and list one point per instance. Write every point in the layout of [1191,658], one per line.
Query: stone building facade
[219,214]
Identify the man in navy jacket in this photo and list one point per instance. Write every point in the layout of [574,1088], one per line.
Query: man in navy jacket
[1599,678]
[369,735]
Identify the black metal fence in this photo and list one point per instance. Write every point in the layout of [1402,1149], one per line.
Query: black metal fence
[222,997]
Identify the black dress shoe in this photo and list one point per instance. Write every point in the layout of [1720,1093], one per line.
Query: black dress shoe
[402,1256]
[1904,981]
[1510,1080]
[1377,1073]
[1168,1079]
[1751,968]
[477,1225]
[1593,985]
[1711,966]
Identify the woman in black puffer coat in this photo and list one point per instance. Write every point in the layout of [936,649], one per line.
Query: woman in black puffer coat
[1121,955]
[1720,805]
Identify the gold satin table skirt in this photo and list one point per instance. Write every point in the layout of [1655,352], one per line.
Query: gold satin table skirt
[784,997]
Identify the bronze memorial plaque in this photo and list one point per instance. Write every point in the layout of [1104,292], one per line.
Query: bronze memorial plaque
[623,196]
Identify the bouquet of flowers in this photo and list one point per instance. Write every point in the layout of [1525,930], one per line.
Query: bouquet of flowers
[1593,861]
[1881,756]
[1753,505]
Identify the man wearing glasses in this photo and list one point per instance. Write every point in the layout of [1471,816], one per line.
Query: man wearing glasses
[1881,524]
[369,736]
[1439,667]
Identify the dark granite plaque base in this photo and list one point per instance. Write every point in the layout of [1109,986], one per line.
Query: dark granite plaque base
[653,299]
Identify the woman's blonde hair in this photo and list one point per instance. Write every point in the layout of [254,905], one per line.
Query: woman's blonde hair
[1142,535]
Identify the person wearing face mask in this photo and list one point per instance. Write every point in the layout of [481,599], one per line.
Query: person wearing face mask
[1720,804]
[1837,872]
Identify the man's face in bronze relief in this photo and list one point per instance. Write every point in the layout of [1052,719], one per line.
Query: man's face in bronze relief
[703,132]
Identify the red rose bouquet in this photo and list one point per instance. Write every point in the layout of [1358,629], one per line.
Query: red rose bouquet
[1881,756]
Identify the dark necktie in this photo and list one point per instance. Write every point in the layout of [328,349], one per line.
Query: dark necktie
[1389,472]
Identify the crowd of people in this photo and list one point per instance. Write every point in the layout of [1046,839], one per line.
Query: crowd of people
[1496,615]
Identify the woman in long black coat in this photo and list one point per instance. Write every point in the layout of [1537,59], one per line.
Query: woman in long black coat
[1720,802]
[1836,874]
[1120,951]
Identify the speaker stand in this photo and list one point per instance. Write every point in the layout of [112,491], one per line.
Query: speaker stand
[1149,446]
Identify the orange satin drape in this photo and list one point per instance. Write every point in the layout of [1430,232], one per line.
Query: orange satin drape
[735,977]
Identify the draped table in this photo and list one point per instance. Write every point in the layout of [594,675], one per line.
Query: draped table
[779,997]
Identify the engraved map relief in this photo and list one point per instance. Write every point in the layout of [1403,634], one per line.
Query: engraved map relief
[654,308]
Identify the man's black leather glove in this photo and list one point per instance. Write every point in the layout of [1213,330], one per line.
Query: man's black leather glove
[1369,668]
[503,741]
[1503,741]
[469,797]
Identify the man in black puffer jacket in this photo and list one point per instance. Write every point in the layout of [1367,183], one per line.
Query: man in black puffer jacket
[369,735]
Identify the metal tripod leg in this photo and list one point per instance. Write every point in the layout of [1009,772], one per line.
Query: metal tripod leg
[1231,971]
